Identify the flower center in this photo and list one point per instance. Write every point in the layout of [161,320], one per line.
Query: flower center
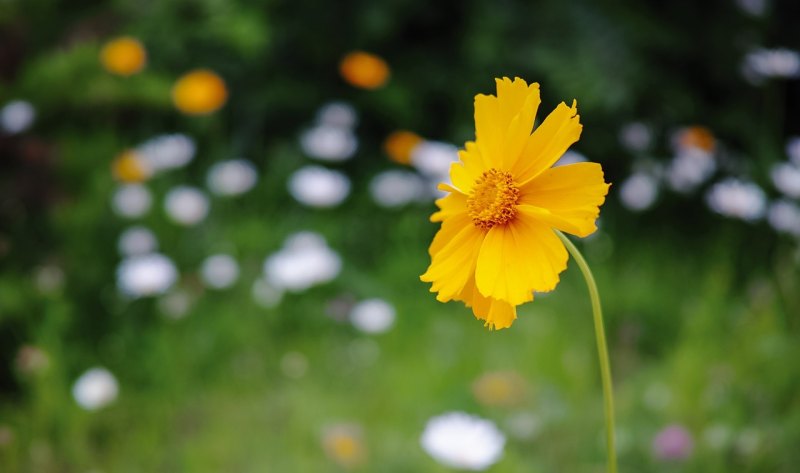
[493,200]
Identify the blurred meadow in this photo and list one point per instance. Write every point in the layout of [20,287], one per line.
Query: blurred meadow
[214,215]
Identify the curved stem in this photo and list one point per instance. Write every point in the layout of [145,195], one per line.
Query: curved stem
[602,350]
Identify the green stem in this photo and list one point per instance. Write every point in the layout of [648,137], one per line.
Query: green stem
[602,351]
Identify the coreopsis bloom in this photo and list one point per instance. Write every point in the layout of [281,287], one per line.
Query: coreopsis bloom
[400,144]
[364,70]
[497,243]
[199,92]
[123,56]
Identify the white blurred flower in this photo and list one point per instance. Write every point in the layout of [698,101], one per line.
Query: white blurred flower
[397,188]
[167,151]
[186,205]
[639,191]
[570,157]
[175,304]
[317,186]
[337,114]
[772,63]
[372,316]
[131,200]
[718,436]
[219,271]
[17,116]
[265,295]
[635,136]
[738,199]
[460,440]
[433,159]
[137,240]
[94,389]
[689,169]
[329,143]
[786,177]
[304,261]
[753,7]
[230,178]
[784,217]
[49,278]
[524,425]
[146,275]
[793,149]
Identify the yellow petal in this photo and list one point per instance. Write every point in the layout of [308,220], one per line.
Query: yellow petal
[469,168]
[549,141]
[566,197]
[454,251]
[518,258]
[497,314]
[504,122]
[452,204]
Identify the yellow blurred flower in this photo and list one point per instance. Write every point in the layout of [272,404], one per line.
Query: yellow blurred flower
[364,70]
[497,244]
[129,167]
[400,144]
[199,92]
[344,445]
[501,388]
[123,56]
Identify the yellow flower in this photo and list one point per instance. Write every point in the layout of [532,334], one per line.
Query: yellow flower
[129,167]
[343,443]
[123,56]
[499,388]
[364,70]
[496,245]
[400,144]
[199,92]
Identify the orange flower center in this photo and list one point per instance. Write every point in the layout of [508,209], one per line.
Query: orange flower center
[493,200]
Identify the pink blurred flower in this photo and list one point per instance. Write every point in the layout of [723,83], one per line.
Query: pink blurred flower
[673,443]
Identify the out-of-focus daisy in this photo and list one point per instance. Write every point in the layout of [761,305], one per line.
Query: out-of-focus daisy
[123,56]
[31,360]
[337,114]
[499,388]
[146,275]
[784,217]
[219,271]
[95,389]
[304,261]
[344,444]
[497,244]
[673,443]
[265,294]
[689,169]
[786,177]
[17,116]
[781,63]
[737,199]
[793,149]
[131,200]
[175,304]
[639,191]
[316,186]
[753,7]
[372,316]
[329,143]
[129,167]
[635,136]
[231,178]
[460,440]
[434,158]
[397,188]
[400,144]
[165,152]
[364,70]
[186,205]
[137,240]
[199,92]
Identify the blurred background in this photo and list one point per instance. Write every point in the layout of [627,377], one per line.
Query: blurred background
[213,216]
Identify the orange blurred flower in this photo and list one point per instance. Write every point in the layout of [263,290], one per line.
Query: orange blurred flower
[123,56]
[199,92]
[698,137]
[130,167]
[400,144]
[364,70]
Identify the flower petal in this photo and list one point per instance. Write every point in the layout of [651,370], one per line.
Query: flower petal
[454,252]
[468,169]
[497,314]
[549,141]
[566,197]
[450,205]
[519,258]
